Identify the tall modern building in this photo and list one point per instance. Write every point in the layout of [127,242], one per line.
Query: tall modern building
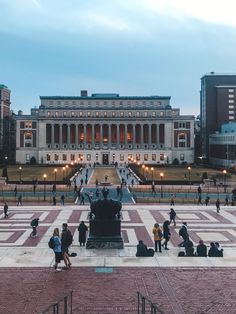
[217,105]
[104,128]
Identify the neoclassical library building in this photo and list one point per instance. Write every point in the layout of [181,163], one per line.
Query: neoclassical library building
[104,129]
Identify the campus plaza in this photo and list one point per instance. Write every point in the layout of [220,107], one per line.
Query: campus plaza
[107,281]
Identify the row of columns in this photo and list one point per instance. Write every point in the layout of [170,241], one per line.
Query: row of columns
[107,134]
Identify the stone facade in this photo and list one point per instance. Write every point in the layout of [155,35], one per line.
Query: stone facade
[104,128]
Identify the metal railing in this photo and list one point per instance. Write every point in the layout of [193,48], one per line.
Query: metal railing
[62,305]
[145,306]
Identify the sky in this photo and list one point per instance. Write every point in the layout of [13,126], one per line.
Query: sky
[129,47]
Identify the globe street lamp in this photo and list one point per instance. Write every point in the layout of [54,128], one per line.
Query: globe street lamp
[20,171]
[63,173]
[55,175]
[224,173]
[189,170]
[152,169]
[44,190]
[161,175]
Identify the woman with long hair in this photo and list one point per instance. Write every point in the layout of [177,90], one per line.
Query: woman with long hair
[166,234]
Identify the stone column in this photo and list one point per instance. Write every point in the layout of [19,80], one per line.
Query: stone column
[134,134]
[149,135]
[68,135]
[101,136]
[60,135]
[141,129]
[84,135]
[109,136]
[53,135]
[93,142]
[125,135]
[76,135]
[118,135]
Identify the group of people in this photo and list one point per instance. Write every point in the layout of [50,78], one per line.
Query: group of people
[215,250]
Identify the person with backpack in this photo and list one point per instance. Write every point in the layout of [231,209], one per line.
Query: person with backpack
[183,232]
[34,224]
[66,241]
[55,244]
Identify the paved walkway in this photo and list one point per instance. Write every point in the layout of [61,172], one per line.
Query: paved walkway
[177,285]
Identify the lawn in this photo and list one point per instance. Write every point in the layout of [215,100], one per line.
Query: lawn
[28,172]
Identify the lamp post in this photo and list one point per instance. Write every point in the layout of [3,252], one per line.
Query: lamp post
[161,175]
[63,173]
[224,173]
[55,175]
[20,171]
[189,170]
[146,169]
[44,188]
[152,169]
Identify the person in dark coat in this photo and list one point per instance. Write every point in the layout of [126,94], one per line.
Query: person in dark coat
[189,249]
[172,214]
[218,205]
[166,234]
[201,249]
[143,251]
[82,233]
[183,232]
[213,251]
[5,209]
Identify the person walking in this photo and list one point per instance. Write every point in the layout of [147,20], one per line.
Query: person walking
[172,215]
[82,199]
[54,201]
[63,199]
[183,232]
[82,233]
[66,241]
[226,200]
[157,232]
[172,200]
[34,224]
[57,249]
[166,234]
[15,190]
[19,200]
[5,210]
[218,205]
[207,199]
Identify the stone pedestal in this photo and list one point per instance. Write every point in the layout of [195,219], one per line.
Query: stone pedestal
[105,234]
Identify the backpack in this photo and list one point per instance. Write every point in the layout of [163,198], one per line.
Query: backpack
[51,243]
[160,234]
[69,238]
[34,223]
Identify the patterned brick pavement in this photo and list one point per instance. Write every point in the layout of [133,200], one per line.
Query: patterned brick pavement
[175,290]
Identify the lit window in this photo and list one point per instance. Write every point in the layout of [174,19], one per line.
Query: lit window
[64,157]
[56,157]
[97,114]
[64,114]
[48,157]
[146,157]
[137,114]
[122,114]
[81,114]
[154,114]
[88,157]
[89,114]
[113,114]
[49,114]
[130,114]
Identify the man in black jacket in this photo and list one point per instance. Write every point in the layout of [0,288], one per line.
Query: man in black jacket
[183,232]
[66,241]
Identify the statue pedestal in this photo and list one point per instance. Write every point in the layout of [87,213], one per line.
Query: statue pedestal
[105,234]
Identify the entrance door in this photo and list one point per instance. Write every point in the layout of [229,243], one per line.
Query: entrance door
[105,159]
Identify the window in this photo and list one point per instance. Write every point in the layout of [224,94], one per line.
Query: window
[162,157]
[34,125]
[231,101]
[81,114]
[88,157]
[161,113]
[113,114]
[231,95]
[137,157]
[137,114]
[182,157]
[27,157]
[28,144]
[154,114]
[130,114]
[153,157]
[96,157]
[113,103]
[64,114]
[56,157]
[105,114]
[58,103]
[72,113]
[145,114]
[122,114]
[146,157]
[89,114]
[22,125]
[97,114]
[231,90]
[28,136]
[72,157]
[64,157]
[28,124]
[48,157]
[121,157]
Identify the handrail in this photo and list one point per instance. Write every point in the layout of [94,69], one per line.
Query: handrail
[62,305]
[146,306]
